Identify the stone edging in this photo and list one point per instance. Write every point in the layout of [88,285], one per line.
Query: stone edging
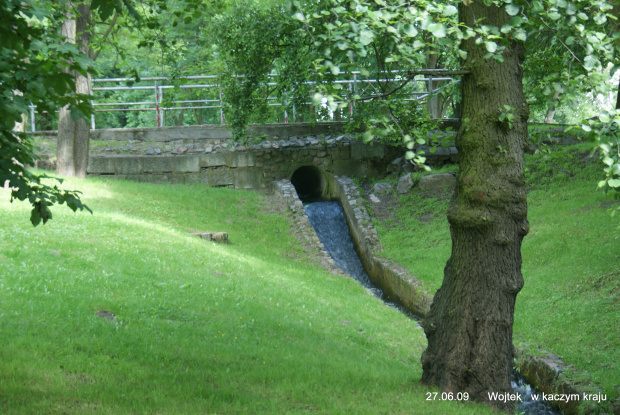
[397,283]
[546,374]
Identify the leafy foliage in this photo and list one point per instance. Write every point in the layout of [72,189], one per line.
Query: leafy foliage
[581,54]
[604,132]
[32,70]
[252,41]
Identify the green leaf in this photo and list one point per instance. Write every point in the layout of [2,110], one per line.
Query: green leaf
[614,183]
[450,11]
[554,15]
[537,7]
[520,35]
[317,99]
[491,46]
[366,37]
[411,31]
[515,21]
[512,9]
[437,29]
[590,62]
[600,18]
[35,218]
[418,44]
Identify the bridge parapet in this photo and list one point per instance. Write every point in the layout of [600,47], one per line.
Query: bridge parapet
[207,155]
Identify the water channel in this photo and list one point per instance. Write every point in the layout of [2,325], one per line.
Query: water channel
[330,224]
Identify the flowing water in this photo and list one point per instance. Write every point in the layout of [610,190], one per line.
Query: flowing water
[330,224]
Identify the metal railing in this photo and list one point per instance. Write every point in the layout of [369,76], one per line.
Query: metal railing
[418,89]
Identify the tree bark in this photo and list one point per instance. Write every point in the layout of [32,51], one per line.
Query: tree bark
[469,327]
[73,136]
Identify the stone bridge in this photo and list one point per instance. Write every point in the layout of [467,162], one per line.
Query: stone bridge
[307,154]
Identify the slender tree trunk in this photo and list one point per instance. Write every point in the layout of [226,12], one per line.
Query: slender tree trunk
[551,112]
[469,327]
[435,102]
[73,136]
[618,97]
[20,127]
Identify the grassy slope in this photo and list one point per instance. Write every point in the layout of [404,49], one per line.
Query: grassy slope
[199,327]
[571,262]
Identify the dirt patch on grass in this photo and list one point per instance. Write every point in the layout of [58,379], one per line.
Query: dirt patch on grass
[382,206]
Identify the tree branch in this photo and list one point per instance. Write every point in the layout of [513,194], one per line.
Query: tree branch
[106,34]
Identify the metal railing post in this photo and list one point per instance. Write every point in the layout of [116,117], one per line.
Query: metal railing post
[92,116]
[350,101]
[157,122]
[162,113]
[431,97]
[222,118]
[285,104]
[32,126]
[355,91]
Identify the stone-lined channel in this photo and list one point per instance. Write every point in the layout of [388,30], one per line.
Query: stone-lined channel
[330,229]
[329,222]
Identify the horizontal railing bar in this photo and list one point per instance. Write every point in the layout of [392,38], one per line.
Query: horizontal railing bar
[126,109]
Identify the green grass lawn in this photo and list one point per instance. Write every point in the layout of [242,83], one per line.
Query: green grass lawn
[197,328]
[571,262]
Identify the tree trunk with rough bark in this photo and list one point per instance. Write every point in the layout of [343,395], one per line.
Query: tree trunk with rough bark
[469,327]
[73,136]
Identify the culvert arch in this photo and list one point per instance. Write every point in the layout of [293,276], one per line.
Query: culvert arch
[310,183]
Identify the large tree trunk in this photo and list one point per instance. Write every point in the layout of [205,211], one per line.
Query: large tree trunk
[73,136]
[469,327]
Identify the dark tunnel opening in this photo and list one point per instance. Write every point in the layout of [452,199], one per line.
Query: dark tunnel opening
[309,183]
